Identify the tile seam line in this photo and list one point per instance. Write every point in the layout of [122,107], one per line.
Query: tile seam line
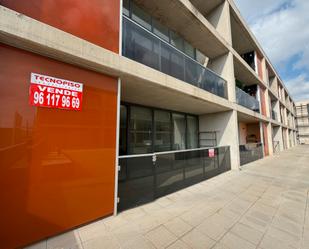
[304,222]
[264,234]
[237,196]
[240,219]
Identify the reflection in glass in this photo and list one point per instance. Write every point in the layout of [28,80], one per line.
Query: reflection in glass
[176,41]
[141,17]
[162,121]
[192,132]
[126,7]
[140,130]
[160,30]
[140,45]
[146,48]
[189,50]
[123,130]
[179,133]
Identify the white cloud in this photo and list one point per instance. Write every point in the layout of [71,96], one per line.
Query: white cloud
[299,87]
[253,10]
[281,27]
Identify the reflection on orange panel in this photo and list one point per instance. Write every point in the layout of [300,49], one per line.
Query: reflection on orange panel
[57,166]
[96,21]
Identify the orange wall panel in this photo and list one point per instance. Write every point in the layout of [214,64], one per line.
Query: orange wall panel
[57,167]
[94,20]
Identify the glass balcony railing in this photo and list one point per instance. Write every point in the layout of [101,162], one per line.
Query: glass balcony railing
[144,178]
[145,47]
[250,152]
[244,99]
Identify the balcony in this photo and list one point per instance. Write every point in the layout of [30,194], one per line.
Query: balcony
[244,99]
[145,47]
[144,178]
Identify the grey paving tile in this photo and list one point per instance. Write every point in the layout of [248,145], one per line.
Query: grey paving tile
[247,233]
[101,242]
[39,245]
[93,230]
[161,237]
[178,227]
[232,241]
[283,236]
[269,242]
[197,240]
[179,245]
[138,242]
[67,240]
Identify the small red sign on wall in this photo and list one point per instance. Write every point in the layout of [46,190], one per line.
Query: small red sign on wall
[211,153]
[47,91]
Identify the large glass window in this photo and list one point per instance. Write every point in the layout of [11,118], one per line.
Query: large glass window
[189,50]
[140,16]
[140,130]
[126,7]
[177,41]
[140,45]
[146,130]
[123,130]
[172,62]
[179,131]
[160,30]
[162,121]
[192,132]
[200,57]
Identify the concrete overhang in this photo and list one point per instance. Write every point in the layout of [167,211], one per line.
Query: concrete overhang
[272,95]
[252,115]
[205,7]
[146,86]
[275,123]
[189,23]
[244,72]
[241,39]
[245,118]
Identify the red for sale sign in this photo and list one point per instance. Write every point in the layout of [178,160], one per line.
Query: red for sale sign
[47,91]
[211,153]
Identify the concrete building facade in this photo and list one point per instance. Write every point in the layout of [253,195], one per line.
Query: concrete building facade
[302,120]
[108,104]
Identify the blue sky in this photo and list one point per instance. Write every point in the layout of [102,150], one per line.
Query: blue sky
[282,28]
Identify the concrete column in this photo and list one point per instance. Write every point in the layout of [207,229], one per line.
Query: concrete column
[278,136]
[220,19]
[270,139]
[226,126]
[264,71]
[267,100]
[224,66]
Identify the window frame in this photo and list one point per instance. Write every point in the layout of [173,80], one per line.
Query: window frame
[153,109]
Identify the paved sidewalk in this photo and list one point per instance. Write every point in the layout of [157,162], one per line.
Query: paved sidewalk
[263,206]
